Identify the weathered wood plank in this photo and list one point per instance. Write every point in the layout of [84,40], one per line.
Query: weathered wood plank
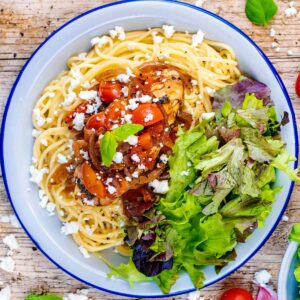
[24,25]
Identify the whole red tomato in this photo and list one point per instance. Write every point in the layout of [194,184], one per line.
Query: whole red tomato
[298,85]
[236,294]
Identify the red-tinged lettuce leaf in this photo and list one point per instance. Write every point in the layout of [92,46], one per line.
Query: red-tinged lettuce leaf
[235,93]
[266,293]
[144,262]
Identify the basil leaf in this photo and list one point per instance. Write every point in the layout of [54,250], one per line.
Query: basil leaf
[43,297]
[260,12]
[123,132]
[108,148]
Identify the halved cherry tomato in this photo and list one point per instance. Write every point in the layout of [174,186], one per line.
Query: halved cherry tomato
[96,121]
[147,114]
[298,85]
[236,294]
[114,113]
[81,108]
[92,184]
[145,140]
[109,91]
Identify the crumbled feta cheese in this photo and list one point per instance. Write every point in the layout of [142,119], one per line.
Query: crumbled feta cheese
[77,296]
[132,140]
[70,228]
[118,32]
[78,121]
[195,296]
[51,94]
[49,120]
[128,118]
[164,158]
[11,242]
[131,45]
[7,264]
[5,293]
[133,104]
[86,85]
[37,175]
[141,166]
[88,202]
[99,41]
[184,173]
[111,189]
[272,32]
[135,158]
[262,277]
[160,187]
[194,82]
[157,39]
[135,174]
[128,179]
[76,74]
[88,229]
[145,98]
[84,154]
[149,117]
[209,90]
[284,218]
[189,164]
[71,96]
[291,10]
[88,95]
[12,219]
[290,53]
[207,116]
[61,159]
[82,55]
[39,119]
[84,252]
[274,45]
[43,198]
[51,208]
[108,180]
[118,157]
[125,91]
[197,38]
[36,133]
[168,30]
[200,3]
[44,142]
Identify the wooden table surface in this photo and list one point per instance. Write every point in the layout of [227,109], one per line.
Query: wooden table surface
[24,24]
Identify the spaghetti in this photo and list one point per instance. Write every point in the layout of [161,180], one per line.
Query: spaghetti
[210,65]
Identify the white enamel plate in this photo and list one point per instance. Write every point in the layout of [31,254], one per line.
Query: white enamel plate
[49,60]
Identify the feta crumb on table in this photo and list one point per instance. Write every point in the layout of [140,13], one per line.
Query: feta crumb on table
[262,277]
[5,293]
[11,242]
[7,264]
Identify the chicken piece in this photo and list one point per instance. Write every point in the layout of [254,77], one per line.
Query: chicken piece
[170,89]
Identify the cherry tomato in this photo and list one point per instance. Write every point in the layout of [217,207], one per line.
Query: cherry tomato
[147,114]
[298,85]
[145,141]
[96,121]
[236,294]
[81,108]
[114,113]
[92,184]
[109,91]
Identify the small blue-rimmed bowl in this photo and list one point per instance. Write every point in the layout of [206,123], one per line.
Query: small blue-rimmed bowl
[50,59]
[287,285]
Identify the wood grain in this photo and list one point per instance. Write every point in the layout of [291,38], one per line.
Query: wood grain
[24,24]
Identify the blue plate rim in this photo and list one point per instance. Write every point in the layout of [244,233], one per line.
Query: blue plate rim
[266,59]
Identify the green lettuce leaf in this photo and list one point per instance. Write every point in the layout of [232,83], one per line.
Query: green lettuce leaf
[295,233]
[281,162]
[127,272]
[43,297]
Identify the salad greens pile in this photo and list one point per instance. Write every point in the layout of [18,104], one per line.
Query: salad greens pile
[221,188]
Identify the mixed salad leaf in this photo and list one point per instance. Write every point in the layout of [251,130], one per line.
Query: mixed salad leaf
[295,236]
[221,187]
